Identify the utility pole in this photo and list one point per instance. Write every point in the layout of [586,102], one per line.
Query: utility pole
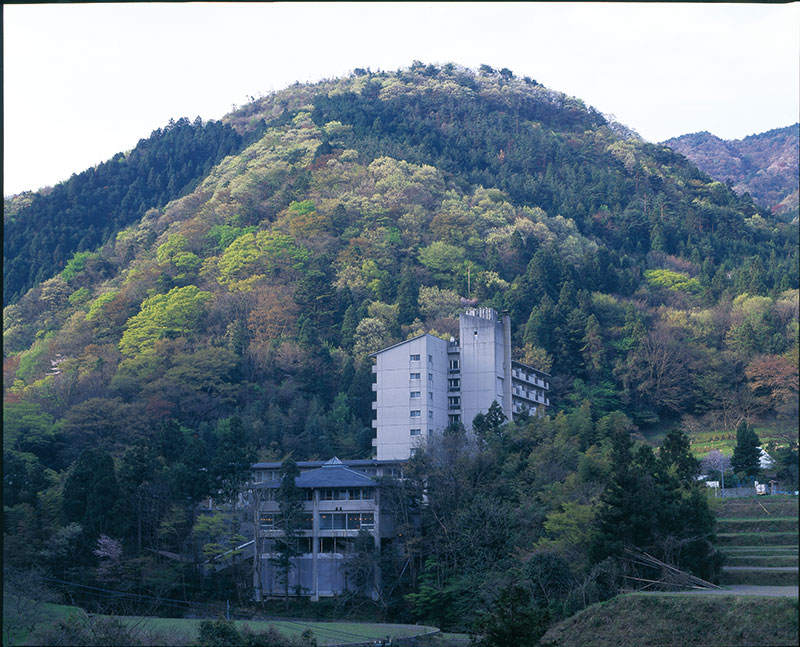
[256,551]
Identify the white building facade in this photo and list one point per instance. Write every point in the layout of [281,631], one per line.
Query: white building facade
[426,383]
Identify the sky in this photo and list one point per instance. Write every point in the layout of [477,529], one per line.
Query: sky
[85,81]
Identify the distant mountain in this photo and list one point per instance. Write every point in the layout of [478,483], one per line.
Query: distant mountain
[764,165]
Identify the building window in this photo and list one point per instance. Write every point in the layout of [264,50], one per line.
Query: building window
[346,521]
[416,432]
[430,377]
[455,364]
[269,521]
[430,359]
[414,376]
[415,394]
[430,413]
[454,384]
[416,413]
[454,418]
[454,402]
[414,358]
[345,494]
[430,394]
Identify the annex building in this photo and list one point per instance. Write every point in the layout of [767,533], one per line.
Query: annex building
[424,384]
[340,500]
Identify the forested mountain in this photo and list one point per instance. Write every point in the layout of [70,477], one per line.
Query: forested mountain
[234,323]
[764,165]
[44,230]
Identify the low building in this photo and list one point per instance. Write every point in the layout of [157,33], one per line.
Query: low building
[340,501]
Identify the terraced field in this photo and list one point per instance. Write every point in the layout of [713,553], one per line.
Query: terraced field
[759,538]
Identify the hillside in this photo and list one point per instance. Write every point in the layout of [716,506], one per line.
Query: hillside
[665,620]
[764,165]
[231,321]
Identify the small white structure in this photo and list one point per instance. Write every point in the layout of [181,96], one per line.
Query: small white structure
[765,460]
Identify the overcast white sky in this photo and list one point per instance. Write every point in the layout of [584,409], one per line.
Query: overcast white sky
[84,81]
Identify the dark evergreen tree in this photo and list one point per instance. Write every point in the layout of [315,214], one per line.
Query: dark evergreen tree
[746,454]
[290,505]
[91,494]
[407,297]
[675,453]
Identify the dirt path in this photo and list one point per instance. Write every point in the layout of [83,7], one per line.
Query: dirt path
[748,589]
[767,569]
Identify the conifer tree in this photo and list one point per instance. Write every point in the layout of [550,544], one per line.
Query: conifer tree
[290,504]
[747,451]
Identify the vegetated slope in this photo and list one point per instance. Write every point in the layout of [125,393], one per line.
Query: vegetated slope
[764,165]
[759,540]
[43,230]
[666,620]
[321,242]
[235,323]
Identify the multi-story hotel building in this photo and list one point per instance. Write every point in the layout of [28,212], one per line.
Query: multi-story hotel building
[426,383]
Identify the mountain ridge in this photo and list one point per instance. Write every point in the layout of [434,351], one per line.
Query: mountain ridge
[763,164]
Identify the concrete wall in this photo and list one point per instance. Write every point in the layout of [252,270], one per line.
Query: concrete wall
[482,355]
[394,386]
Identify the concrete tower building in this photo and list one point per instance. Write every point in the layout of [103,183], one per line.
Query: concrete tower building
[425,383]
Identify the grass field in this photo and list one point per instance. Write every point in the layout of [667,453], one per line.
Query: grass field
[665,620]
[725,440]
[183,631]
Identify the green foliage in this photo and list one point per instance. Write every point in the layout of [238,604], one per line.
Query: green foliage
[91,494]
[301,208]
[746,454]
[513,621]
[647,507]
[93,205]
[673,281]
[290,505]
[163,316]
[353,220]
[175,252]
[222,633]
[96,308]
[221,236]
[442,258]
[34,361]
[76,265]
[79,297]
[254,255]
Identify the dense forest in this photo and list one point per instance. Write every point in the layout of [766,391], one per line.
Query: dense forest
[46,230]
[224,312]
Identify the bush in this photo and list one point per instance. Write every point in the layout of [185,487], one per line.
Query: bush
[222,633]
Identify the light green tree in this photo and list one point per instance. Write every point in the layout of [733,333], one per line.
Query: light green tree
[163,316]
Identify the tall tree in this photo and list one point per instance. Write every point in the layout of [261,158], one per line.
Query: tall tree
[747,452]
[290,505]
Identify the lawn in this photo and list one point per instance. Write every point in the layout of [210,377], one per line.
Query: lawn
[183,631]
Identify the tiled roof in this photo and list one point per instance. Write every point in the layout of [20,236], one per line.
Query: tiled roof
[333,473]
